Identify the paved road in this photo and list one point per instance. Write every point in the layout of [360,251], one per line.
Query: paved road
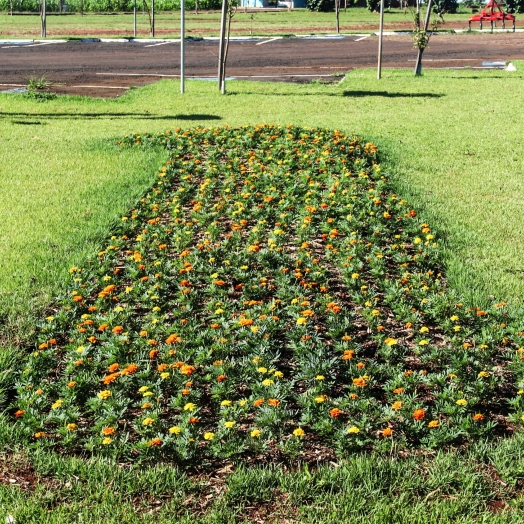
[119,65]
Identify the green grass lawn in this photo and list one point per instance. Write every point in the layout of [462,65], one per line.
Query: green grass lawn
[357,20]
[63,184]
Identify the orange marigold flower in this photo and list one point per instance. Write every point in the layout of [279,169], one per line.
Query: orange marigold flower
[353,396]
[171,339]
[186,392]
[78,298]
[130,369]
[155,442]
[419,414]
[113,367]
[19,413]
[193,420]
[335,413]
[221,378]
[43,346]
[162,367]
[348,354]
[434,424]
[387,432]
[52,341]
[259,402]
[152,342]
[153,353]
[71,384]
[245,322]
[478,417]
[361,365]
[108,431]
[92,339]
[143,333]
[103,327]
[397,391]
[396,406]
[359,382]
[110,378]
[273,402]
[187,370]
[118,330]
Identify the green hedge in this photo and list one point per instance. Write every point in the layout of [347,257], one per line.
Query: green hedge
[105,5]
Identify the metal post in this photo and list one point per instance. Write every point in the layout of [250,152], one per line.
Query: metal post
[44,21]
[221,50]
[182,45]
[134,19]
[153,18]
[381,30]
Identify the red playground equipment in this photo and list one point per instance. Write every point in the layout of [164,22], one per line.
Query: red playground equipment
[493,12]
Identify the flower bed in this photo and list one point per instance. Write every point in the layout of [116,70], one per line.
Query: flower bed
[270,295]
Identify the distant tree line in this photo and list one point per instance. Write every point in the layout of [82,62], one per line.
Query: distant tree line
[104,6]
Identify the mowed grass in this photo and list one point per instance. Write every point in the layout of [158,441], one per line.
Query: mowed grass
[167,24]
[62,184]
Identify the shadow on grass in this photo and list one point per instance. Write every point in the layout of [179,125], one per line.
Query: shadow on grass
[354,94]
[388,94]
[109,116]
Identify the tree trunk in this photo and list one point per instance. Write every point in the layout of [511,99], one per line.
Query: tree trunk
[418,65]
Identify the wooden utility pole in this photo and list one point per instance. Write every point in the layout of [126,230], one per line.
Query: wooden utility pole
[182,46]
[222,49]
[43,19]
[380,32]
[337,12]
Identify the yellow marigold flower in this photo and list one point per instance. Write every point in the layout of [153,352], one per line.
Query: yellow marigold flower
[396,406]
[299,432]
[461,402]
[433,424]
[390,341]
[457,328]
[148,394]
[321,398]
[80,349]
[257,360]
[189,406]
[148,421]
[255,433]
[107,441]
[423,342]
[226,403]
[354,276]
[268,382]
[353,429]
[417,240]
[262,370]
[301,321]
[424,329]
[104,394]
[175,430]
[320,377]
[278,374]
[57,404]
[229,423]
[452,375]
[521,418]
[375,312]
[72,427]
[143,389]
[454,318]
[483,374]
[242,402]
[254,329]
[164,375]
[209,435]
